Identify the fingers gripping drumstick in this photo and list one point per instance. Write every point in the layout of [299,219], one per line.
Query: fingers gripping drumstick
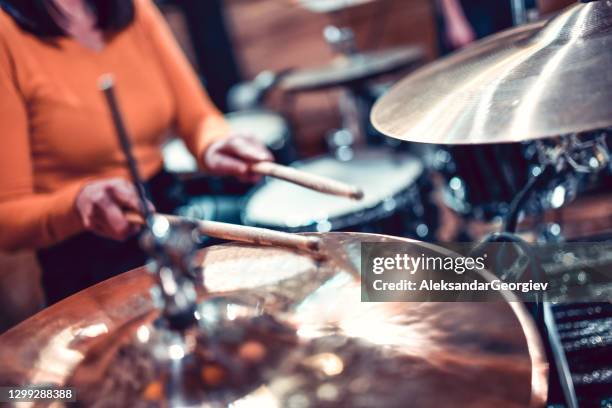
[253,235]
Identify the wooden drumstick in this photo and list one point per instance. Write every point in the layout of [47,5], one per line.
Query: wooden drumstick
[234,232]
[312,181]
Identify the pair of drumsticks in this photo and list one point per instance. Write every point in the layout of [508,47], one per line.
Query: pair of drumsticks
[227,231]
[262,236]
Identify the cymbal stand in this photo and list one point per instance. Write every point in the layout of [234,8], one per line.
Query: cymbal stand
[172,247]
[572,154]
[519,12]
[559,158]
[353,131]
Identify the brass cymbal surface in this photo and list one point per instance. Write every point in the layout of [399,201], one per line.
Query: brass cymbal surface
[290,330]
[540,80]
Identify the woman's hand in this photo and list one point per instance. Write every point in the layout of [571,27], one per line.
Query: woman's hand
[234,155]
[102,205]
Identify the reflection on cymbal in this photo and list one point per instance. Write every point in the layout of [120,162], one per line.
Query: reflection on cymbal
[534,81]
[269,302]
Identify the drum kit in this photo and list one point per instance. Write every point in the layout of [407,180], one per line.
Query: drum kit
[276,319]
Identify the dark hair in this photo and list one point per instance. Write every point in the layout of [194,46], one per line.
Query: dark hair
[35,15]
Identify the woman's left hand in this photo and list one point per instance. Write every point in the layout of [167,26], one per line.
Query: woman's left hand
[234,155]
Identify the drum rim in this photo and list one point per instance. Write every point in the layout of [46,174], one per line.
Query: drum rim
[365,215]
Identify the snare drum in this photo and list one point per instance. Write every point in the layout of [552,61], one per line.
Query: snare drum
[394,200]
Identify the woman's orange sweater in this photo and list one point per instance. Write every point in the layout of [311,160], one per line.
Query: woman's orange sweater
[56,129]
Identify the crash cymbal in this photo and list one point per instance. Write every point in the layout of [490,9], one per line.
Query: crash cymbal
[329,6]
[282,329]
[530,82]
[347,69]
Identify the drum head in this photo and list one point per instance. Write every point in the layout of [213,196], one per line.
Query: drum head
[381,173]
[268,127]
[177,158]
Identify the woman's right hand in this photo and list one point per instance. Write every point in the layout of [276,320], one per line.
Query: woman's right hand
[102,205]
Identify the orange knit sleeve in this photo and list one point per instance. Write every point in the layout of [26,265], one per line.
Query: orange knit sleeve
[27,220]
[198,121]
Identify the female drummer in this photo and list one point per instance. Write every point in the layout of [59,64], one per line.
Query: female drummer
[63,178]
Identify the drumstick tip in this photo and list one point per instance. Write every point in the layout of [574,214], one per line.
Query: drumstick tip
[314,244]
[106,82]
[357,194]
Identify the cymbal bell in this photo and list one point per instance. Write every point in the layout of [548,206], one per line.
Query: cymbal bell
[535,81]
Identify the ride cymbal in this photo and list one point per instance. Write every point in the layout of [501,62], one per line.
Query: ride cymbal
[534,81]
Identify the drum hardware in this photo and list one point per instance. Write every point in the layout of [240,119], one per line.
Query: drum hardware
[221,208]
[574,366]
[250,95]
[568,343]
[351,72]
[340,143]
[177,342]
[511,88]
[172,248]
[519,12]
[580,342]
[558,157]
[342,40]
[563,370]
[565,156]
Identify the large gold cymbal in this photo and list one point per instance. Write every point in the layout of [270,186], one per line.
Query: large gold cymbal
[534,81]
[338,352]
